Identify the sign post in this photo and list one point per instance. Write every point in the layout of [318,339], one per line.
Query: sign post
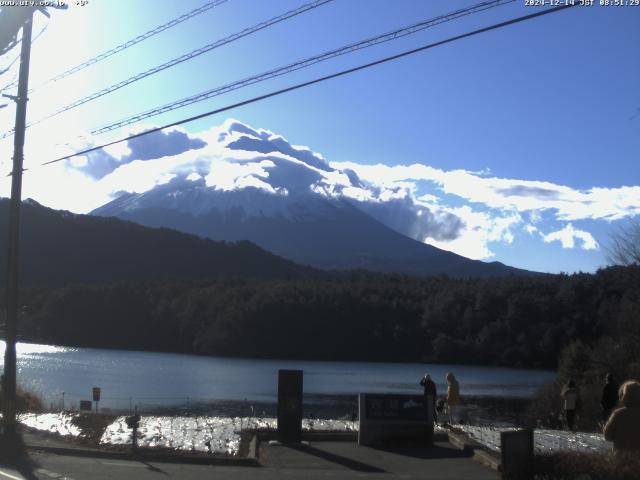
[96,396]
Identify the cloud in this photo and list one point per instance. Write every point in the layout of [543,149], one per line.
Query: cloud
[140,176]
[228,176]
[511,194]
[527,191]
[413,220]
[165,143]
[239,136]
[568,236]
[480,229]
[148,147]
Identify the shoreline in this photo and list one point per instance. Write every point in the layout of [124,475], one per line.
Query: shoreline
[477,410]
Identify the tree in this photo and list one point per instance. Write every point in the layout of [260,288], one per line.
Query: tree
[625,245]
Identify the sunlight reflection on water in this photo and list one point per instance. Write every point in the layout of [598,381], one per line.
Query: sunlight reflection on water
[24,349]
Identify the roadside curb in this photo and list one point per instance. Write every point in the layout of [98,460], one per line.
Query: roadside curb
[147,455]
[311,436]
[252,459]
[480,453]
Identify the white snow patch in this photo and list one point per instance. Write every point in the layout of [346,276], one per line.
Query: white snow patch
[544,440]
[60,423]
[193,433]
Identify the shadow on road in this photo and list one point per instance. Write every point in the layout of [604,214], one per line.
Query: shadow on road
[13,455]
[334,458]
[153,468]
[427,452]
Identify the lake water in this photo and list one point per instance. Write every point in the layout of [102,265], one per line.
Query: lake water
[166,379]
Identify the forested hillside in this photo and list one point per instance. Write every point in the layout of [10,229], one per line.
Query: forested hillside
[59,247]
[523,321]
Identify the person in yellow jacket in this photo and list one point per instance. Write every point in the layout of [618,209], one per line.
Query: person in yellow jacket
[453,396]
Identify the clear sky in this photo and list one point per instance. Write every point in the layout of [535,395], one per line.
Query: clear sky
[530,134]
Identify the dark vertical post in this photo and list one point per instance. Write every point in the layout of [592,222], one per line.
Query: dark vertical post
[96,396]
[289,405]
[430,420]
[133,422]
[516,448]
[9,387]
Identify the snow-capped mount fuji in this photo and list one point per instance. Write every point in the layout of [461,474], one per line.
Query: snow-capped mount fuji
[252,185]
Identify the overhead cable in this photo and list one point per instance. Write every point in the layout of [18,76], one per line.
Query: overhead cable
[318,80]
[183,58]
[17,57]
[129,43]
[292,67]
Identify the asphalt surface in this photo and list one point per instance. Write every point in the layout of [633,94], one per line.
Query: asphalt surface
[317,460]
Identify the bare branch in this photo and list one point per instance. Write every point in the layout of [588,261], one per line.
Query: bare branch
[624,248]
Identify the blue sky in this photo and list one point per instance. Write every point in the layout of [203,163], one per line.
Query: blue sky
[553,102]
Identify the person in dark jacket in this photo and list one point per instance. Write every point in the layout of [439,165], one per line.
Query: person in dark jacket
[429,390]
[569,396]
[609,397]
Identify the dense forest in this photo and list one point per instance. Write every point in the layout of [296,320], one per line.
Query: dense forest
[515,321]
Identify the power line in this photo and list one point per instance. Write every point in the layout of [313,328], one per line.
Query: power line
[370,42]
[8,67]
[134,41]
[395,34]
[319,80]
[183,58]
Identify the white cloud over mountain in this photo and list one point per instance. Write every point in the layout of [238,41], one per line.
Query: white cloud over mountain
[457,210]
[511,194]
[148,147]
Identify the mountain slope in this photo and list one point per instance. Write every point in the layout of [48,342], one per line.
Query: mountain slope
[59,247]
[307,229]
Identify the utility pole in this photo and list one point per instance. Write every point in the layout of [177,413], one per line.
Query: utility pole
[9,381]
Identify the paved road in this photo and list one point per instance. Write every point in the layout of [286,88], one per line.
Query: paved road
[319,460]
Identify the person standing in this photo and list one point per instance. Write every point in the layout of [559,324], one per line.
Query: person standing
[569,396]
[623,427]
[453,396]
[429,391]
[609,397]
